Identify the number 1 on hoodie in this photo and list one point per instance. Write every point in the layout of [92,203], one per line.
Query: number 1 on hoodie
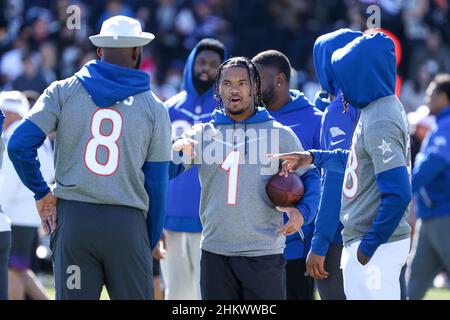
[231,166]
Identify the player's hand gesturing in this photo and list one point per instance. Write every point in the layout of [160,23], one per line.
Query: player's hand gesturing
[293,161]
[295,222]
[185,145]
[47,211]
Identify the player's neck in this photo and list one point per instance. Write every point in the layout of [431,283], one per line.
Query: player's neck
[120,61]
[279,102]
[241,117]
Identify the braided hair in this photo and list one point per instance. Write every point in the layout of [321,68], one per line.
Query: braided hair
[345,104]
[253,75]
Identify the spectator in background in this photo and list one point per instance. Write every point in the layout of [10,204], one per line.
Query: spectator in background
[11,62]
[114,8]
[18,204]
[420,123]
[32,77]
[434,53]
[413,90]
[48,61]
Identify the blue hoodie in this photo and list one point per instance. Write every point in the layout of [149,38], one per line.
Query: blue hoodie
[365,70]
[431,175]
[323,49]
[186,109]
[336,132]
[304,119]
[108,83]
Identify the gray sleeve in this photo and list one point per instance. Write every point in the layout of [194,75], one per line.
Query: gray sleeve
[161,141]
[47,109]
[384,142]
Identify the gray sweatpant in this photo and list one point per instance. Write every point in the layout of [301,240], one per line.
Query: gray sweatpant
[432,254]
[332,288]
[96,245]
[5,245]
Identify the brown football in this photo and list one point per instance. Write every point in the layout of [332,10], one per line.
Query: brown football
[285,191]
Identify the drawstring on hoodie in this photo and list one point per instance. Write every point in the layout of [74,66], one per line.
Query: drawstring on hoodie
[245,137]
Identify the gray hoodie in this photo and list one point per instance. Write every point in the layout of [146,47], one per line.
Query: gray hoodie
[237,216]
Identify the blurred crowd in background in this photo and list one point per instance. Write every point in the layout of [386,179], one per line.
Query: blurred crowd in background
[37,47]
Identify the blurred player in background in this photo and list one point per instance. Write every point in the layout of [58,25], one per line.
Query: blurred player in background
[292,109]
[112,149]
[323,262]
[18,204]
[182,226]
[431,183]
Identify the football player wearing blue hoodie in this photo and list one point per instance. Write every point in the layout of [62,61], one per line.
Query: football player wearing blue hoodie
[112,155]
[323,262]
[291,108]
[376,189]
[243,235]
[431,183]
[182,226]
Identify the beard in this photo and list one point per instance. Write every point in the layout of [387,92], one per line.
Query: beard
[267,95]
[235,112]
[201,85]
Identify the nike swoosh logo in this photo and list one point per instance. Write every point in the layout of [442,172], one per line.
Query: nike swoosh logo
[248,141]
[333,143]
[237,145]
[222,142]
[295,125]
[388,159]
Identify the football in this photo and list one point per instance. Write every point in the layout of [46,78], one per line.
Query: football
[285,191]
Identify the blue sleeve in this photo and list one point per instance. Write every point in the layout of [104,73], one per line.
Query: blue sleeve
[327,220]
[310,201]
[335,160]
[395,192]
[22,150]
[176,167]
[427,170]
[156,185]
[175,170]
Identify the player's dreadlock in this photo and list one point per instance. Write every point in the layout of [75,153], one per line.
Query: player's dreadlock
[253,74]
[345,104]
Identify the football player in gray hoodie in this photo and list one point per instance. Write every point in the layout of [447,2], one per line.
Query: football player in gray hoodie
[243,233]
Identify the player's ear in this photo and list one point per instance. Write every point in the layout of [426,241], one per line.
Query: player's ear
[99,52]
[280,79]
[135,53]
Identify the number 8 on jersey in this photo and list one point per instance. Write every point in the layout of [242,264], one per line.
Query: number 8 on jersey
[108,141]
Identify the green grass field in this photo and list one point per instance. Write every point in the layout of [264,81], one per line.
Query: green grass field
[432,294]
